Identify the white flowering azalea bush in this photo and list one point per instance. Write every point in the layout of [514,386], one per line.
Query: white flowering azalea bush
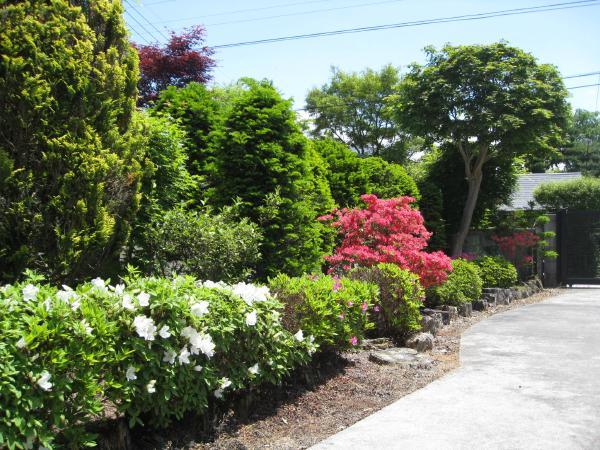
[154,348]
[334,311]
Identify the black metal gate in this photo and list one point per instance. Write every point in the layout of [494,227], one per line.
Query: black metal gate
[579,247]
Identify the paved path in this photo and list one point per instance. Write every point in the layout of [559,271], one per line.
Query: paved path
[529,379]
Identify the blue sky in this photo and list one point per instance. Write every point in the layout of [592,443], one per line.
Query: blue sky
[570,39]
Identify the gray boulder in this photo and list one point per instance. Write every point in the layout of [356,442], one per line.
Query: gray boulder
[421,342]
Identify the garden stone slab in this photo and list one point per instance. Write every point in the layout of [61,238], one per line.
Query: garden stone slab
[400,356]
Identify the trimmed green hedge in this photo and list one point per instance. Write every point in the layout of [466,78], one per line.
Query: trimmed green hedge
[464,284]
[397,313]
[582,194]
[333,310]
[156,348]
[496,271]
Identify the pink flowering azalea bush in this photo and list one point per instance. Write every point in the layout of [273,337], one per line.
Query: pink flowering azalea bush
[386,231]
[155,348]
[333,310]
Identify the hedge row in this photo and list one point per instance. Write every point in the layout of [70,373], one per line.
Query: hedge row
[156,348]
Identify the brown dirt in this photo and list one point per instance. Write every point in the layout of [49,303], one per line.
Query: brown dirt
[344,390]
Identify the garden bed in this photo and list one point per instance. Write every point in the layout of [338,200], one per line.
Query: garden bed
[336,393]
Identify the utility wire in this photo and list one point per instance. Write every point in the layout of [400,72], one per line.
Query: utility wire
[227,13]
[143,28]
[584,86]
[461,18]
[589,74]
[134,8]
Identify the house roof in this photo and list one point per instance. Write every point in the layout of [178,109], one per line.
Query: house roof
[528,182]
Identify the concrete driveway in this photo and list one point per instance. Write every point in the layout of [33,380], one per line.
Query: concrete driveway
[529,379]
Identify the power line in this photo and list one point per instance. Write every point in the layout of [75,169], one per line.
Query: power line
[584,86]
[461,18]
[582,75]
[227,13]
[132,6]
[143,28]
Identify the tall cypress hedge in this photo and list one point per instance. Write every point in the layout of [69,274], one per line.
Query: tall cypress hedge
[69,174]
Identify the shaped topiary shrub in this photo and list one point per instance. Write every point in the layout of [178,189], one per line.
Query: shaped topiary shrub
[396,314]
[155,348]
[69,146]
[497,272]
[464,284]
[333,310]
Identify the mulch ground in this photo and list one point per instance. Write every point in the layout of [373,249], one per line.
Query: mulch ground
[340,391]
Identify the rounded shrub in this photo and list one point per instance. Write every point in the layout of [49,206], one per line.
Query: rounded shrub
[333,310]
[496,271]
[155,348]
[582,194]
[464,284]
[396,313]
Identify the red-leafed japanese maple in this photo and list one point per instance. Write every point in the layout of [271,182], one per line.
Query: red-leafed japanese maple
[387,231]
[518,246]
[182,60]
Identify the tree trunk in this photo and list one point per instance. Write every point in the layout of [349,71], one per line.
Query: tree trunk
[467,216]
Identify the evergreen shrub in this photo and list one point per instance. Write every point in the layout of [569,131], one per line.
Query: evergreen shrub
[497,272]
[463,285]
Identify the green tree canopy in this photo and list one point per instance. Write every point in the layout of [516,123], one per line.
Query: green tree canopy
[490,102]
[583,155]
[352,108]
[68,144]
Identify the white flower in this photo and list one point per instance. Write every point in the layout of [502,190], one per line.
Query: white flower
[130,374]
[21,343]
[299,336]
[143,298]
[311,339]
[212,285]
[251,293]
[127,303]
[218,393]
[169,356]
[99,284]
[251,319]
[151,387]
[225,383]
[65,295]
[164,332]
[86,326]
[30,292]
[144,327]
[48,304]
[75,304]
[201,342]
[184,356]
[188,332]
[119,289]
[44,381]
[199,309]
[254,370]
[198,368]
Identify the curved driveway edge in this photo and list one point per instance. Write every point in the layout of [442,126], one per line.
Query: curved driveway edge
[529,379]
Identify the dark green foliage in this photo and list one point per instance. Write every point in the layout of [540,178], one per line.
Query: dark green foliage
[333,311]
[584,152]
[351,176]
[346,178]
[431,206]
[397,313]
[204,244]
[262,158]
[463,285]
[495,271]
[68,146]
[195,108]
[582,194]
[166,184]
[445,170]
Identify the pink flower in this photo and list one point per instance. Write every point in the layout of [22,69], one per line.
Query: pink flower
[337,285]
[364,307]
[350,304]
[354,340]
[376,308]
[341,317]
